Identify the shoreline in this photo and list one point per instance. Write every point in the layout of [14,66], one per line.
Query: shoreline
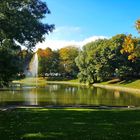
[65,82]
[97,85]
[104,107]
[100,85]
[108,87]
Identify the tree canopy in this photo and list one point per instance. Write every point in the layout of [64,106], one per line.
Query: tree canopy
[102,60]
[137,24]
[60,62]
[20,23]
[20,20]
[67,60]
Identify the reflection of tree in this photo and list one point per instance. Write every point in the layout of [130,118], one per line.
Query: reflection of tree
[117,94]
[69,95]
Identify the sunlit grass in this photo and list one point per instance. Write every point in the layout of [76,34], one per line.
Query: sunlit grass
[32,81]
[126,83]
[69,124]
[42,81]
[74,80]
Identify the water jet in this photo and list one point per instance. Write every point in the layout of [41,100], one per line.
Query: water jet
[33,67]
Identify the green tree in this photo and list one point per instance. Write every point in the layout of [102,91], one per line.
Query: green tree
[20,23]
[89,62]
[20,20]
[10,63]
[25,56]
[102,60]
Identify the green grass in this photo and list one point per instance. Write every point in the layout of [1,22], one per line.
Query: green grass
[129,83]
[69,124]
[74,81]
[68,81]
[43,81]
[32,81]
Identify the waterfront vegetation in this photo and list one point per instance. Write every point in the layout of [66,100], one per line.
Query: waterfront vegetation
[70,124]
[97,61]
[133,83]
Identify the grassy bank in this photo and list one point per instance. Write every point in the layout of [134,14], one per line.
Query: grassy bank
[42,81]
[135,83]
[69,124]
[72,82]
[31,81]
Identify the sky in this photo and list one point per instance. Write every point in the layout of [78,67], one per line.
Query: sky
[78,22]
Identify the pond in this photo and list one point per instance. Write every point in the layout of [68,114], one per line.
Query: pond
[66,95]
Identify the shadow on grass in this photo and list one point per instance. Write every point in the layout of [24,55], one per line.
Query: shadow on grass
[69,124]
[123,82]
[128,81]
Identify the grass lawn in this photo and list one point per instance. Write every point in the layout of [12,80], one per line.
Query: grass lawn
[134,83]
[42,81]
[31,81]
[69,124]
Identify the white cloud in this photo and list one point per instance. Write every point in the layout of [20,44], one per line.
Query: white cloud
[57,44]
[91,39]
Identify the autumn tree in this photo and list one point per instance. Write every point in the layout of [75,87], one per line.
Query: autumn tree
[67,60]
[129,47]
[45,60]
[137,24]
[48,61]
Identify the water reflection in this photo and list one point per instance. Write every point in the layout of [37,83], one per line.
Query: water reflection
[117,94]
[58,94]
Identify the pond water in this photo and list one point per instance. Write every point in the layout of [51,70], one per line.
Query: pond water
[67,95]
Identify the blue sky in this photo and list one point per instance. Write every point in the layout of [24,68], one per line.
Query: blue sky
[80,20]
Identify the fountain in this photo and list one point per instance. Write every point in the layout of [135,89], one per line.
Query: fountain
[33,67]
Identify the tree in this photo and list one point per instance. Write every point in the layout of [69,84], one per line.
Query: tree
[45,60]
[20,23]
[129,47]
[102,60]
[25,56]
[48,61]
[20,20]
[89,61]
[67,60]
[9,62]
[137,24]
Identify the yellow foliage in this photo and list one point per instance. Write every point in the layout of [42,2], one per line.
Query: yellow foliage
[138,25]
[45,52]
[129,47]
